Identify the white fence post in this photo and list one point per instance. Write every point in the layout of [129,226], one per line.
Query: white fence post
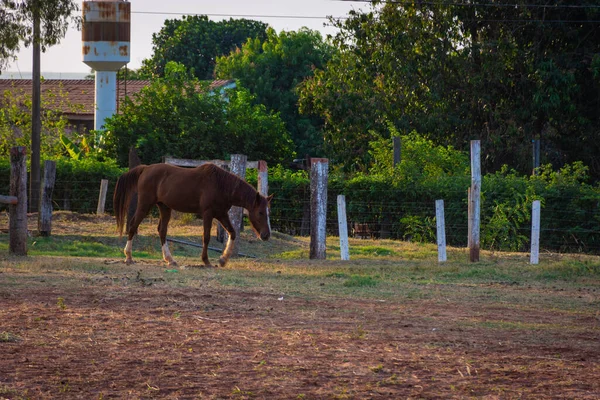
[535,232]
[236,214]
[102,196]
[45,209]
[441,230]
[318,211]
[343,227]
[475,200]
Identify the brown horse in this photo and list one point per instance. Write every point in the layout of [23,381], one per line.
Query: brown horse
[208,191]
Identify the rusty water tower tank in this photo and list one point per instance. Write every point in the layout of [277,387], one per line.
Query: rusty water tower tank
[106,35]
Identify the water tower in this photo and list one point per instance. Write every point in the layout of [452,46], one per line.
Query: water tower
[106,35]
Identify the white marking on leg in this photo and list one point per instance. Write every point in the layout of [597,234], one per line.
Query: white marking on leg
[167,254]
[227,252]
[127,251]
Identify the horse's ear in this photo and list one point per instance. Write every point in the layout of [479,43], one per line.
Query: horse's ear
[270,198]
[257,199]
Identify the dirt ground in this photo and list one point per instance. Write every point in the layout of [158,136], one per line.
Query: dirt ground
[104,340]
[94,335]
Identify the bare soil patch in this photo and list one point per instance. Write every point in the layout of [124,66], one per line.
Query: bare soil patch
[118,333]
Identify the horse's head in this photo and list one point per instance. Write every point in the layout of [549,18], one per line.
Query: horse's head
[259,216]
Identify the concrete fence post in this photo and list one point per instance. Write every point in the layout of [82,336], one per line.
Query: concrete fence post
[319,174]
[47,187]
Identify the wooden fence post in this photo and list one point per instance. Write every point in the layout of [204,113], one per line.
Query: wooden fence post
[441,230]
[535,233]
[47,187]
[263,178]
[18,212]
[343,227]
[236,215]
[318,211]
[102,196]
[475,200]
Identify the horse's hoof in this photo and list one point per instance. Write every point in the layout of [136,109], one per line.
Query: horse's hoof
[222,262]
[172,264]
[129,261]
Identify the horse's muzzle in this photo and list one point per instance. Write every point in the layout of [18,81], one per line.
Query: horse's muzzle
[265,236]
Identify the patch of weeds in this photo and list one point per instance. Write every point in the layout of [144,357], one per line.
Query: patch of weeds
[336,275]
[60,303]
[12,394]
[374,251]
[360,281]
[7,337]
[570,269]
[359,333]
[241,393]
[377,368]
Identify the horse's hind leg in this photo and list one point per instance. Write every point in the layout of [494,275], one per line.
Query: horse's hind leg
[163,223]
[140,213]
[230,242]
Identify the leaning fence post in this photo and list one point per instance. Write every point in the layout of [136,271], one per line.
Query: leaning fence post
[102,196]
[45,214]
[535,232]
[18,212]
[318,210]
[441,230]
[236,215]
[475,200]
[343,227]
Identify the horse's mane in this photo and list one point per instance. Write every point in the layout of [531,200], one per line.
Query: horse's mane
[230,182]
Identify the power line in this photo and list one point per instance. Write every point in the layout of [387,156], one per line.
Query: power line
[462,4]
[235,15]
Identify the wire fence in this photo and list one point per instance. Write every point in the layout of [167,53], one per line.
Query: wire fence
[572,228]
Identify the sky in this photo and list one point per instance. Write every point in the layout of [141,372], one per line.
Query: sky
[148,17]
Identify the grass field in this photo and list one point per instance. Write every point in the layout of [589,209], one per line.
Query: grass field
[76,322]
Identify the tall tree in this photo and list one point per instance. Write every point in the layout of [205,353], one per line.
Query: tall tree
[40,23]
[177,115]
[503,73]
[196,42]
[272,69]
[16,24]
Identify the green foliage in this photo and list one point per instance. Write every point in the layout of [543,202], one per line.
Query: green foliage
[178,116]
[272,69]
[421,158]
[16,24]
[196,42]
[504,75]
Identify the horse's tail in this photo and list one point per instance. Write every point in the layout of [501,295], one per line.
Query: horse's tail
[126,186]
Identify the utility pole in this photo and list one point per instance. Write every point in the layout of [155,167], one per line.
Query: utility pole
[36,124]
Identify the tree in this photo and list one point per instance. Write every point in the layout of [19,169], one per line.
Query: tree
[456,72]
[196,42]
[16,24]
[272,69]
[177,115]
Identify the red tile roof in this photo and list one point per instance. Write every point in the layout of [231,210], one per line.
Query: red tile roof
[76,96]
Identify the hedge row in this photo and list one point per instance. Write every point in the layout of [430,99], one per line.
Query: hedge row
[398,208]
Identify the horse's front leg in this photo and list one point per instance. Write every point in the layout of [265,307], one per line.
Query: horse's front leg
[226,222]
[207,224]
[163,223]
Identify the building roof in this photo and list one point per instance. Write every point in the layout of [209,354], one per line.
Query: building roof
[75,97]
